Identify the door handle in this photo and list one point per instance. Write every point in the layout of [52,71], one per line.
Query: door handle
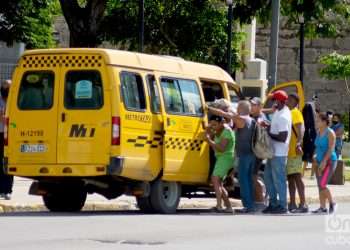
[63,117]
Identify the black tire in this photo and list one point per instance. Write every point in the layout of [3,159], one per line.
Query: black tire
[65,201]
[145,205]
[165,196]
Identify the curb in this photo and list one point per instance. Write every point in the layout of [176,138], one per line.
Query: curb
[122,206]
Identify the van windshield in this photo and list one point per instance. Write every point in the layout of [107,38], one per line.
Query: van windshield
[36,90]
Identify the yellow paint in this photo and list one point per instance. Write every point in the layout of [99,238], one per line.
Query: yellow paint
[151,144]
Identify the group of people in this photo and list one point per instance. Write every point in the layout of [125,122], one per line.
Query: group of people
[230,135]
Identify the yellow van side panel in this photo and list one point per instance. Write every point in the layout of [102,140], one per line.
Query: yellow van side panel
[187,153]
[141,143]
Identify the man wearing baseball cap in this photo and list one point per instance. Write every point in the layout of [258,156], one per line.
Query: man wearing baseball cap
[275,170]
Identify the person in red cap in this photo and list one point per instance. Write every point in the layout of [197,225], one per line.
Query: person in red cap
[275,169]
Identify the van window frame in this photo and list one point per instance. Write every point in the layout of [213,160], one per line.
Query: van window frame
[180,113]
[64,90]
[122,94]
[53,91]
[149,92]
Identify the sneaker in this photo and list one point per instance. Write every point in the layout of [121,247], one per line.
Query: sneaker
[302,209]
[245,211]
[333,207]
[7,196]
[228,210]
[292,207]
[268,209]
[320,211]
[279,210]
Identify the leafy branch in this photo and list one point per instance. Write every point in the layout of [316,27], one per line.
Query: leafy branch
[337,67]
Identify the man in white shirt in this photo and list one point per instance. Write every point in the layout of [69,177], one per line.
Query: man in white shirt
[275,169]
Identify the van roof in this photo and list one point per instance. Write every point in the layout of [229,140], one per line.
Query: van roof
[148,62]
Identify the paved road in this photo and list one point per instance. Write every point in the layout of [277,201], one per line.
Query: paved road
[189,229]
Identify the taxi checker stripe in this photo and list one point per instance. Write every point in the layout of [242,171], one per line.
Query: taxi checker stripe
[186,144]
[142,141]
[172,143]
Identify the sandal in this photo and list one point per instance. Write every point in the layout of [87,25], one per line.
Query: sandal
[216,210]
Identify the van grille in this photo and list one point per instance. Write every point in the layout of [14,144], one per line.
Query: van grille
[52,61]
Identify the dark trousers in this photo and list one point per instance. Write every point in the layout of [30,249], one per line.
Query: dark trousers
[6,181]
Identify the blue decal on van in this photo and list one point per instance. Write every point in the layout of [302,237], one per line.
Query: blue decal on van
[83,89]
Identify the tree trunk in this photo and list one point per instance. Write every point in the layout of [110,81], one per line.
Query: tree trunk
[84,22]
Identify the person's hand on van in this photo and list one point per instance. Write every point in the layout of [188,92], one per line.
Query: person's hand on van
[209,135]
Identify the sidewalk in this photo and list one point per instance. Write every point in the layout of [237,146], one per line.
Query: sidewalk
[21,201]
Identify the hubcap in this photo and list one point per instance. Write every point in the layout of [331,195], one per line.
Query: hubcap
[170,193]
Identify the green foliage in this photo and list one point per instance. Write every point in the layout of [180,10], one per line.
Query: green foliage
[28,21]
[337,66]
[193,29]
[322,18]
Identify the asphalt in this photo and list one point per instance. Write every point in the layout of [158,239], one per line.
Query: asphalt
[21,201]
[188,229]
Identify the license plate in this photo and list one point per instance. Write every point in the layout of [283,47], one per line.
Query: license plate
[33,148]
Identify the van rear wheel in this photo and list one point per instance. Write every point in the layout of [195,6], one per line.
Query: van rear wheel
[165,196]
[66,201]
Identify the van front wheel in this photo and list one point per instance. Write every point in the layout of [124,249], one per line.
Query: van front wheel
[165,196]
[70,201]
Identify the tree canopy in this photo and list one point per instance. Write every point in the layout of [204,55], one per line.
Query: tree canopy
[28,21]
[193,29]
[322,18]
[336,67]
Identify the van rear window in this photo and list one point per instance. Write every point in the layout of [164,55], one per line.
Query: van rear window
[133,92]
[83,90]
[36,90]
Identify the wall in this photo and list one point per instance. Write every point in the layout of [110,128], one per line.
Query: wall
[332,94]
[8,59]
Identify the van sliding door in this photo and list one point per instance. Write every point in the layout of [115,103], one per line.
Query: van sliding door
[186,155]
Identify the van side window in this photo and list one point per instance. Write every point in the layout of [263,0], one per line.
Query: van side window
[153,93]
[212,91]
[83,90]
[182,97]
[133,91]
[36,90]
